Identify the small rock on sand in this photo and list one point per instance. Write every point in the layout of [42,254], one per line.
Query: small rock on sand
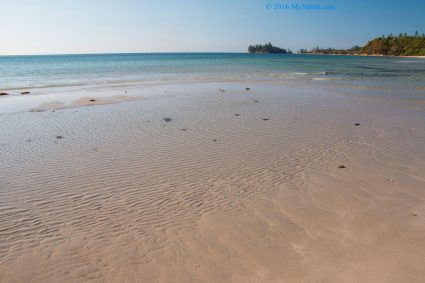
[183,129]
[256,101]
[3,94]
[25,92]
[168,119]
[237,114]
[357,124]
[247,89]
[92,100]
[266,119]
[414,214]
[221,90]
[59,137]
[341,166]
[214,140]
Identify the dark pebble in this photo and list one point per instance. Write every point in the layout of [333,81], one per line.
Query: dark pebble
[237,114]
[341,167]
[3,94]
[247,88]
[92,100]
[168,119]
[25,92]
[357,124]
[59,137]
[266,119]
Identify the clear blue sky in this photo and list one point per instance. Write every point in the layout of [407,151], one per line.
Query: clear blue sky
[92,26]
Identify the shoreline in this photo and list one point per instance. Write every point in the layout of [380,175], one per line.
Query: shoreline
[362,55]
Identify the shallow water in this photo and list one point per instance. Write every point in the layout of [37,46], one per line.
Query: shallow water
[61,73]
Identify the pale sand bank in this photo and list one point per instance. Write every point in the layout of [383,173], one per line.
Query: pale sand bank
[125,196]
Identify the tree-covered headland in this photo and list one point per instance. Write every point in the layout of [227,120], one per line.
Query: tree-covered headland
[391,45]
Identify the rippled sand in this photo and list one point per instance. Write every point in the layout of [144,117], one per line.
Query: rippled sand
[114,193]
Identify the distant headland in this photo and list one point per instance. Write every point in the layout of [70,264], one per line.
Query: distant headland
[391,45]
[267,48]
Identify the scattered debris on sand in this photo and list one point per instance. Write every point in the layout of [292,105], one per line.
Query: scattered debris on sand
[221,90]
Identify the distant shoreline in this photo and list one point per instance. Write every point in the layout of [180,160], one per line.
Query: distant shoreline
[402,45]
[361,55]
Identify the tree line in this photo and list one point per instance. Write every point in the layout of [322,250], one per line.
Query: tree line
[391,45]
[267,48]
[401,45]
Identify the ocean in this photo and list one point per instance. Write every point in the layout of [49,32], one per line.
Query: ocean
[59,73]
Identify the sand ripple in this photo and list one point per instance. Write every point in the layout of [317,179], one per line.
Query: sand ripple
[125,196]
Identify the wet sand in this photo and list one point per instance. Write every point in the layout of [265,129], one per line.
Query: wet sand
[305,184]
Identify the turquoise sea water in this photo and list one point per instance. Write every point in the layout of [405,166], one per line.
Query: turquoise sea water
[48,74]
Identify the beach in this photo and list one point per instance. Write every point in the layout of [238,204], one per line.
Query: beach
[250,179]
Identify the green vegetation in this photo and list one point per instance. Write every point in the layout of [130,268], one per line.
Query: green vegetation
[317,50]
[266,48]
[401,45]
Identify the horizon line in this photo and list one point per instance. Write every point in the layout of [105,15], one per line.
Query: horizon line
[117,53]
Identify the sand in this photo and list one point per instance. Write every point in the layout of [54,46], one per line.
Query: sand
[125,196]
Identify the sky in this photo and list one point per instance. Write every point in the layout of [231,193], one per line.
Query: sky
[115,26]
